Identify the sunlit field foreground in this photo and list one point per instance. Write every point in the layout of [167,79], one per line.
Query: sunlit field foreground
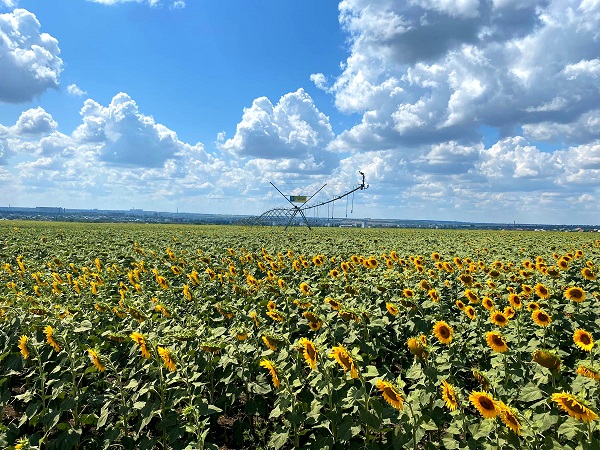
[186,337]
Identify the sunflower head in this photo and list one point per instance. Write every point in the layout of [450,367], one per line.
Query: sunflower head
[270,366]
[574,406]
[583,340]
[498,318]
[341,355]
[470,312]
[449,395]
[392,309]
[310,352]
[547,359]
[575,294]
[443,332]
[417,347]
[588,274]
[485,404]
[391,394]
[542,291]
[481,378]
[588,371]
[496,341]
[515,301]
[541,318]
[510,418]
[488,303]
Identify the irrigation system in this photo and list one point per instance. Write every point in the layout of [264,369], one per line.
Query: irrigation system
[280,215]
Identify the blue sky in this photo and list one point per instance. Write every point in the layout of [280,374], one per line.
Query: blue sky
[454,109]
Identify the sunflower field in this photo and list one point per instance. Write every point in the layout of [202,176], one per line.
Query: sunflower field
[130,336]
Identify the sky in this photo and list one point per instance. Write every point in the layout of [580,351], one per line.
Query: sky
[468,110]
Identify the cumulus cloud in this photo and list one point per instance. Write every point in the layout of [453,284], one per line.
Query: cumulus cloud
[423,72]
[30,59]
[124,136]
[75,90]
[291,129]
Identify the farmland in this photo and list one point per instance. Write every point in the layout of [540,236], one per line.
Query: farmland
[183,337]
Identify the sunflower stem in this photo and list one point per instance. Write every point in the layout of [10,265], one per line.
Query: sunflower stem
[414,427]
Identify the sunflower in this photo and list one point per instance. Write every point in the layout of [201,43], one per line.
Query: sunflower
[574,406]
[460,305]
[575,294]
[424,285]
[334,273]
[587,273]
[583,340]
[466,279]
[267,364]
[95,358]
[498,318]
[515,301]
[509,416]
[471,296]
[417,347]
[488,303]
[541,318]
[443,332]
[547,359]
[526,290]
[270,342]
[542,291]
[50,339]
[275,315]
[509,312]
[335,305]
[532,306]
[449,395]
[485,404]
[23,347]
[408,293]
[589,372]
[496,341]
[481,378]
[341,355]
[433,295]
[167,358]
[304,288]
[310,352]
[390,394]
[315,326]
[139,339]
[392,309]
[470,312]
[348,315]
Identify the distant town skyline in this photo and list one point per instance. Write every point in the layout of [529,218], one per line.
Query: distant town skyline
[462,110]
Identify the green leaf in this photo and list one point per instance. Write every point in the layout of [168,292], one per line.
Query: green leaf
[568,429]
[204,409]
[139,405]
[84,325]
[278,440]
[530,393]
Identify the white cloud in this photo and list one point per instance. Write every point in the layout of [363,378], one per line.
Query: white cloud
[424,71]
[30,61]
[75,90]
[9,3]
[292,129]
